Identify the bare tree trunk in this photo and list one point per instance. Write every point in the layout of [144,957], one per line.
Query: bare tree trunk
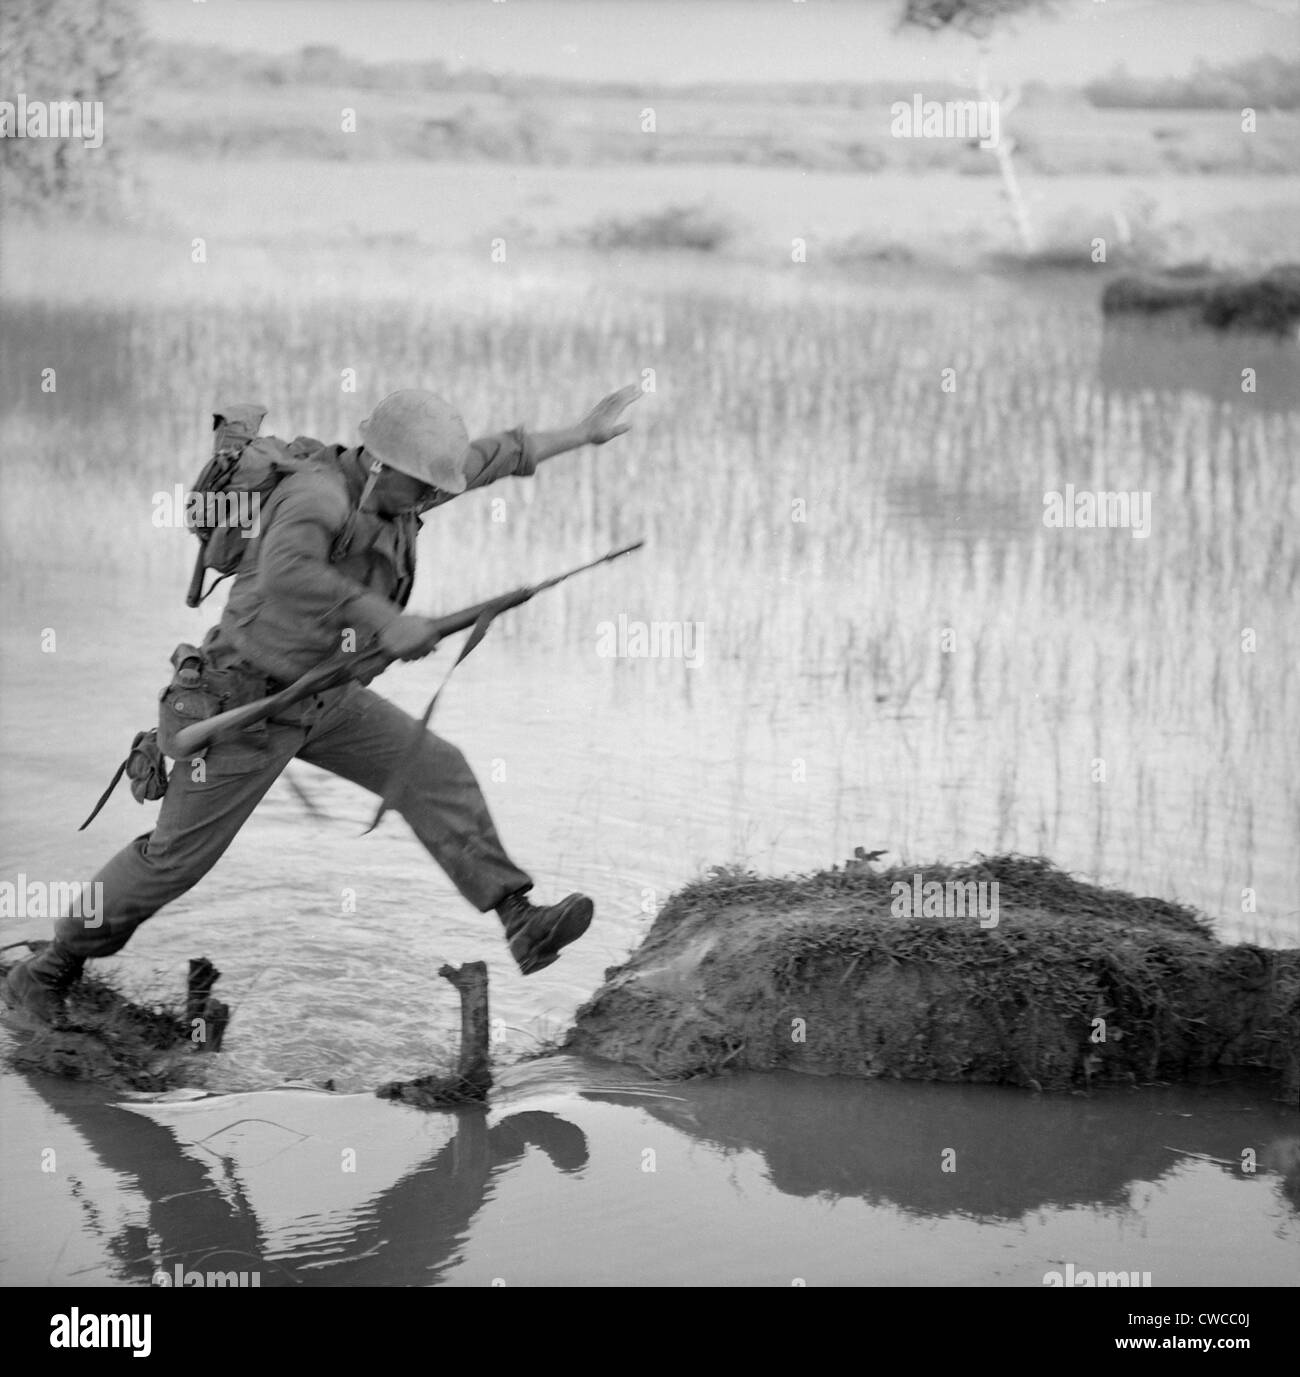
[1007,100]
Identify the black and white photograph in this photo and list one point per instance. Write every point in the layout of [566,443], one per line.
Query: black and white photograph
[650,644]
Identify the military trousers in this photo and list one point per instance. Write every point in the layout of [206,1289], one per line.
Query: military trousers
[349,731]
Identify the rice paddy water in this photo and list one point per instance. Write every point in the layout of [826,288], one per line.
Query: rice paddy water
[842,484]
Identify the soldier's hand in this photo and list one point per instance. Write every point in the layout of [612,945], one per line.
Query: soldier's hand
[603,422]
[409,637]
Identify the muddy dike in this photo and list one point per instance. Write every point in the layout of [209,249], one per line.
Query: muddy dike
[124,1046]
[833,974]
[117,1043]
[1267,304]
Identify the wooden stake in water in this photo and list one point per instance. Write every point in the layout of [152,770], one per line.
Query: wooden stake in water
[203,1011]
[474,1066]
[472,1079]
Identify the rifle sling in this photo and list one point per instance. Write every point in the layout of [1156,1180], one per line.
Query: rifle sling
[394,785]
[106,795]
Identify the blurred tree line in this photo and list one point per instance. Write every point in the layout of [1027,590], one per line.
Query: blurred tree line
[68,50]
[95,50]
[1262,83]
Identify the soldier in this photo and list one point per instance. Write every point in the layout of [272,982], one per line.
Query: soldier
[335,559]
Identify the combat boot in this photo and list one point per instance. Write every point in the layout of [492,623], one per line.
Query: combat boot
[37,986]
[536,934]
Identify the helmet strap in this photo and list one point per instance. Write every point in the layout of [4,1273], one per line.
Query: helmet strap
[376,468]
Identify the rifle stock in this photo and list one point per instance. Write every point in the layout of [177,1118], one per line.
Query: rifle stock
[341,668]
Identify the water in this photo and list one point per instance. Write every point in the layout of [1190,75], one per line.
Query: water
[577,1177]
[1098,708]
[621,778]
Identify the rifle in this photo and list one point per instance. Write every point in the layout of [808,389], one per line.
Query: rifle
[341,668]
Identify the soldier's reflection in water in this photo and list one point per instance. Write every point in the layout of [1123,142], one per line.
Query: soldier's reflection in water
[409,1234]
[878,1143]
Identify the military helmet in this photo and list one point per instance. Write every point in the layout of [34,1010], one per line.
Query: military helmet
[419,434]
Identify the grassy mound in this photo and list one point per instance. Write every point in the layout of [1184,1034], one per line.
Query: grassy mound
[1073,985]
[1268,304]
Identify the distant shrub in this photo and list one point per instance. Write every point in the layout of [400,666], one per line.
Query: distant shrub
[1267,82]
[674,227]
[865,250]
[520,134]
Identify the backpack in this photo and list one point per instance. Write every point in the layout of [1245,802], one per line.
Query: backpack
[226,498]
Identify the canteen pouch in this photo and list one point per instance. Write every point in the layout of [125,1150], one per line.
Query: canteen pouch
[144,766]
[185,700]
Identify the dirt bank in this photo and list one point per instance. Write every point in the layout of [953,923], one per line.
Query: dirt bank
[1267,304]
[109,1039]
[1073,985]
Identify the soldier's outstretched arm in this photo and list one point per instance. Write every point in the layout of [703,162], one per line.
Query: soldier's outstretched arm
[516,453]
[602,423]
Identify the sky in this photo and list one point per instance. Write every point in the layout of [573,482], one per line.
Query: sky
[752,40]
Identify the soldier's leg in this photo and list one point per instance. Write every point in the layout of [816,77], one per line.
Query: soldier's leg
[201,813]
[364,738]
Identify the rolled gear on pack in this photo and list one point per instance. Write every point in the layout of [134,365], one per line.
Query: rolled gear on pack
[244,470]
